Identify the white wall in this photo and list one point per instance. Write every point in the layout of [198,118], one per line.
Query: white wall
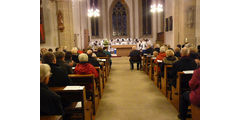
[50,25]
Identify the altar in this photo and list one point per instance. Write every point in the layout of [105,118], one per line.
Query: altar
[123,50]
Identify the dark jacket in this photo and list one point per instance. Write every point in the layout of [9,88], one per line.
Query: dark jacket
[135,56]
[65,66]
[157,49]
[50,102]
[185,63]
[149,51]
[177,54]
[93,61]
[170,60]
[194,84]
[194,56]
[101,54]
[59,77]
[75,58]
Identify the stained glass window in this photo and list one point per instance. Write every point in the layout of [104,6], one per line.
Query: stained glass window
[119,20]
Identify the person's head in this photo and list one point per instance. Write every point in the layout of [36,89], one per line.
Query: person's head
[43,51]
[192,50]
[169,53]
[83,58]
[49,58]
[177,49]
[157,46]
[162,49]
[155,53]
[68,55]
[184,52]
[134,48]
[100,49]
[89,53]
[45,72]
[50,50]
[89,48]
[94,55]
[74,50]
[60,55]
[56,49]
[179,46]
[105,48]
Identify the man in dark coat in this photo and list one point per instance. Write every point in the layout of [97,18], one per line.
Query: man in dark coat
[50,102]
[60,57]
[59,77]
[135,58]
[185,63]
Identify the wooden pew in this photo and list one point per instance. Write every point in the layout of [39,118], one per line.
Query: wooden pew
[144,62]
[51,117]
[148,58]
[86,80]
[151,71]
[79,108]
[177,92]
[105,67]
[165,81]
[101,81]
[195,112]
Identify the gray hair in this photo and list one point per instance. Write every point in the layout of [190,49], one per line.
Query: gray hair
[45,71]
[162,49]
[83,57]
[185,51]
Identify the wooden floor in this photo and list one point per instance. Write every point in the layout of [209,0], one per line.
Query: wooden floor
[131,95]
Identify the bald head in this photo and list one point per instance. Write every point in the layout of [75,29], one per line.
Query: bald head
[184,51]
[89,52]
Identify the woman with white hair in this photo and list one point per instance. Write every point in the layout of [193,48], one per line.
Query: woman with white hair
[170,58]
[50,102]
[84,67]
[75,54]
[161,55]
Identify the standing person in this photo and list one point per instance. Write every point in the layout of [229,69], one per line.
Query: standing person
[135,57]
[105,50]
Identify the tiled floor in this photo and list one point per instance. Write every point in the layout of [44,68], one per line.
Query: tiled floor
[131,95]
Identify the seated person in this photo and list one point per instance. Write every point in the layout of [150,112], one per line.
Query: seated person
[68,59]
[50,50]
[155,53]
[170,58]
[105,50]
[157,48]
[190,97]
[177,52]
[161,55]
[135,57]
[193,53]
[149,50]
[60,57]
[84,67]
[100,53]
[59,77]
[50,102]
[75,54]
[92,60]
[185,63]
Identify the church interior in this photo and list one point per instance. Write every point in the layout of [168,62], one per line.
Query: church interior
[120,59]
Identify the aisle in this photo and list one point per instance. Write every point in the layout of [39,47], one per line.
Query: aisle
[131,95]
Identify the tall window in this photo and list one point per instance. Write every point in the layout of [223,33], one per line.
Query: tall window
[94,20]
[119,20]
[146,17]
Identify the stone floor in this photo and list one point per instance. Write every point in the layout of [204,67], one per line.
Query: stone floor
[131,95]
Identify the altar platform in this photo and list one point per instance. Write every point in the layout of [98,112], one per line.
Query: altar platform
[123,50]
